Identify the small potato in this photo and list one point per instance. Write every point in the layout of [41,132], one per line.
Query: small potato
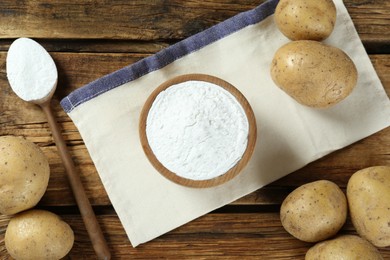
[314,211]
[24,174]
[305,19]
[38,234]
[343,247]
[314,74]
[368,193]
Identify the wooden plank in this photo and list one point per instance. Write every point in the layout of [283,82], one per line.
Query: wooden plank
[152,20]
[249,235]
[96,46]
[139,20]
[20,118]
[378,19]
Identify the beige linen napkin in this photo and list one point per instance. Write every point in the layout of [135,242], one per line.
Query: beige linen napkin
[239,51]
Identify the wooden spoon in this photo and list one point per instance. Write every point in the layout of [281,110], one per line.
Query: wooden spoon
[33,76]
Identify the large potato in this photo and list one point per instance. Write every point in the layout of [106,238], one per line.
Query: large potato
[343,247]
[314,211]
[368,193]
[306,19]
[24,174]
[38,234]
[314,74]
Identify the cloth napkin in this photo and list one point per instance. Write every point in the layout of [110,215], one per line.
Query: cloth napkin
[238,50]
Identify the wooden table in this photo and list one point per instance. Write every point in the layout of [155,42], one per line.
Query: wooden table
[89,39]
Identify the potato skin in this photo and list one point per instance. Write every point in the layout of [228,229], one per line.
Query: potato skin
[314,74]
[314,211]
[343,247]
[368,193]
[24,174]
[305,19]
[38,234]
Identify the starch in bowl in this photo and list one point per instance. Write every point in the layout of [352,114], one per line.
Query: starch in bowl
[197,130]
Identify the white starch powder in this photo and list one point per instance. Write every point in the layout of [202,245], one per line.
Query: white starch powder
[31,71]
[197,130]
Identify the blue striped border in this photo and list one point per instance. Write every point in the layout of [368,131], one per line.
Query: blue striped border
[168,55]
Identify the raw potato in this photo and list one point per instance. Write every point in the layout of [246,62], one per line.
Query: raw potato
[314,211]
[343,247]
[314,74]
[306,19]
[38,234]
[24,174]
[368,193]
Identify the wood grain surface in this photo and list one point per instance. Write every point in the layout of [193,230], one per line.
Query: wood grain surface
[88,39]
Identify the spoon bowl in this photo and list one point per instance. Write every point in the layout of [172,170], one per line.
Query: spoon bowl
[31,71]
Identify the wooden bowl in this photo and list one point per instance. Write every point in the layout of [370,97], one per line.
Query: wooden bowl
[235,170]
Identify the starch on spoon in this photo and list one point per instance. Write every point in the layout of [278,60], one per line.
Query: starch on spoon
[31,71]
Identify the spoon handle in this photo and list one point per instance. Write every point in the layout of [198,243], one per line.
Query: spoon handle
[95,234]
